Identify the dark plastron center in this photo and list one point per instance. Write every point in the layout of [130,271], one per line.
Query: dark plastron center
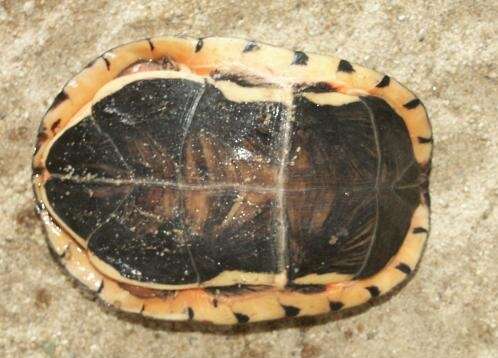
[334,161]
[203,196]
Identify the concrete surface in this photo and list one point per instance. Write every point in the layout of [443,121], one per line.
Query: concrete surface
[445,50]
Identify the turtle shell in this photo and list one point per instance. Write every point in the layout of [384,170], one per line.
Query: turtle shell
[230,181]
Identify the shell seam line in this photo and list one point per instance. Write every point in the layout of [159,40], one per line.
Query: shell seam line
[377,180]
[282,249]
[121,202]
[222,186]
[110,217]
[103,132]
[188,121]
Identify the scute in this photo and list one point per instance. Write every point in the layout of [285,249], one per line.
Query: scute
[350,162]
[197,207]
[143,248]
[85,151]
[147,128]
[84,207]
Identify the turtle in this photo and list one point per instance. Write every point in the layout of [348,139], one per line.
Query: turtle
[229,181]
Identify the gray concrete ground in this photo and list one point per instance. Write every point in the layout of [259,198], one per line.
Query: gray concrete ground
[445,50]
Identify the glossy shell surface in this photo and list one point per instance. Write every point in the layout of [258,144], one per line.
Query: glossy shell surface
[229,181]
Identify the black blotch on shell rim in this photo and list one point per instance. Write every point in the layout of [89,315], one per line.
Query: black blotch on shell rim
[374,291]
[250,46]
[61,97]
[101,286]
[345,66]
[241,318]
[414,103]
[190,313]
[384,82]
[404,268]
[107,63]
[335,305]
[151,45]
[420,230]
[291,311]
[54,125]
[199,45]
[300,58]
[424,140]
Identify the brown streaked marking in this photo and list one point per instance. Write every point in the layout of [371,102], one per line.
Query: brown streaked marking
[424,140]
[142,309]
[61,97]
[235,290]
[345,66]
[335,305]
[42,136]
[420,230]
[151,45]
[215,302]
[240,79]
[241,318]
[145,292]
[291,311]
[196,207]
[162,63]
[404,268]
[190,313]
[55,125]
[250,46]
[199,45]
[300,58]
[307,288]
[101,286]
[317,87]
[384,82]
[374,291]
[412,104]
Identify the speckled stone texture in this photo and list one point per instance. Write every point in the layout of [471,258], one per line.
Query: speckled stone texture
[445,51]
